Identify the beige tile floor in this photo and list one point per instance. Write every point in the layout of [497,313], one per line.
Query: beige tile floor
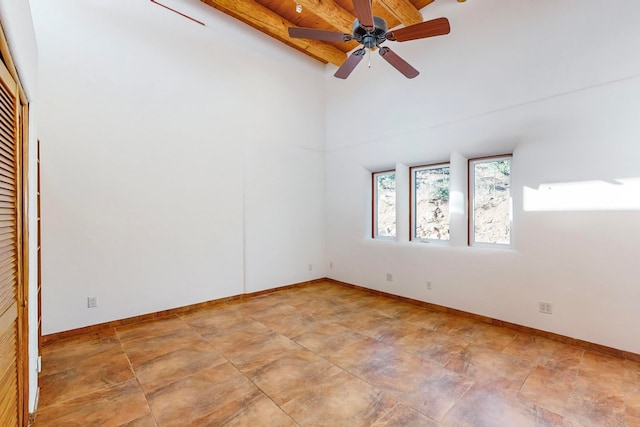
[326,355]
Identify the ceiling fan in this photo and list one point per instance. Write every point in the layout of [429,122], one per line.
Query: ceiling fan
[371,31]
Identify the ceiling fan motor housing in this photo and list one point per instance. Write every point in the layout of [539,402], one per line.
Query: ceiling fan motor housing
[373,37]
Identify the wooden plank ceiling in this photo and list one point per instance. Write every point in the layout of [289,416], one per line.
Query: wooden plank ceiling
[274,17]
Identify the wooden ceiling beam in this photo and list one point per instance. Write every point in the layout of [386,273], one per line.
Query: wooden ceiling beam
[422,3]
[331,13]
[267,21]
[403,10]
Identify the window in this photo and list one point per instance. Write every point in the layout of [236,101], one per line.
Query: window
[490,201]
[430,203]
[384,204]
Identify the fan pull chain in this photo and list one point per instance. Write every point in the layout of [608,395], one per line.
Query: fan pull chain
[369,57]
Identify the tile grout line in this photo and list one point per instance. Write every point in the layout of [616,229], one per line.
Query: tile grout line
[354,374]
[386,413]
[135,375]
[72,397]
[474,383]
[390,393]
[260,388]
[323,358]
[386,392]
[241,373]
[575,363]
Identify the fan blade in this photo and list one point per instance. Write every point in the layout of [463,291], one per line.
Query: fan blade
[435,27]
[312,33]
[364,12]
[398,63]
[350,64]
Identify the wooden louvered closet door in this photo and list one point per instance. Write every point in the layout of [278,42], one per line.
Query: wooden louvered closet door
[10,401]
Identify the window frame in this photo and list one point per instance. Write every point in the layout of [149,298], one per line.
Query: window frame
[374,205]
[413,206]
[471,202]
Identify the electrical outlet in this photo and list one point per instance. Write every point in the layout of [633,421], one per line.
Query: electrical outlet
[389,277]
[310,267]
[428,285]
[545,307]
[331,264]
[92,302]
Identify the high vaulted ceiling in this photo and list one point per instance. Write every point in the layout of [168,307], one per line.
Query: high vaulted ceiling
[274,17]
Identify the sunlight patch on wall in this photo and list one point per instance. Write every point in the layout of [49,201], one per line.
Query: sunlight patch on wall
[621,194]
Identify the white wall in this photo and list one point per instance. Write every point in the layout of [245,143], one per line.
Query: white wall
[160,138]
[284,203]
[18,26]
[557,84]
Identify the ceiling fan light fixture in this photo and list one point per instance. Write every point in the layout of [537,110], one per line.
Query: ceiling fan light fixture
[371,31]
